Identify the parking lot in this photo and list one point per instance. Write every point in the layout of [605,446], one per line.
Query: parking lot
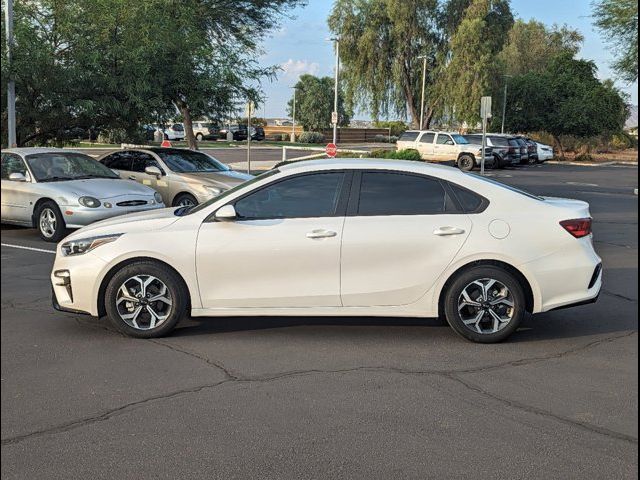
[300,398]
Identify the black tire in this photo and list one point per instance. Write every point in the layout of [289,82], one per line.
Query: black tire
[466,163]
[199,137]
[58,228]
[466,278]
[176,288]
[184,199]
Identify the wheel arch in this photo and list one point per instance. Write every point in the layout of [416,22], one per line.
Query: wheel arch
[128,261]
[530,299]
[39,202]
[182,192]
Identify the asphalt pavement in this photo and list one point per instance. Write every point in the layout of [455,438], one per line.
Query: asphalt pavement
[339,398]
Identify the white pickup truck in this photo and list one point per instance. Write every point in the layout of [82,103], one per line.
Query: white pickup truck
[445,147]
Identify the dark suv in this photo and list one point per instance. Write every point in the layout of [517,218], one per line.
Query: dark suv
[239,132]
[257,133]
[506,150]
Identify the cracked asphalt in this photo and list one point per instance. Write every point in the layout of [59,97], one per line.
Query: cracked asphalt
[316,398]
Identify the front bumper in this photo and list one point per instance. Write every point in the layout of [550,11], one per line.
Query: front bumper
[77,216]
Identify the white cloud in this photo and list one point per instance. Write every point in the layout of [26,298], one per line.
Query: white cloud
[292,69]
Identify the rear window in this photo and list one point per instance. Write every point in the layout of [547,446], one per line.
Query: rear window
[408,137]
[508,187]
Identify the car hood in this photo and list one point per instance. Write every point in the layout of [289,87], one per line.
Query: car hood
[226,179]
[101,188]
[134,222]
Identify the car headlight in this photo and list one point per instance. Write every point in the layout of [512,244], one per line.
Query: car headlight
[89,202]
[215,191]
[157,197]
[84,245]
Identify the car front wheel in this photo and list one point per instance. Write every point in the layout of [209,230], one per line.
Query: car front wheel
[49,222]
[485,304]
[146,300]
[466,163]
[185,200]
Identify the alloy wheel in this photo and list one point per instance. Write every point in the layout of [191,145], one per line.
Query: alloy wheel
[144,302]
[48,222]
[186,202]
[486,306]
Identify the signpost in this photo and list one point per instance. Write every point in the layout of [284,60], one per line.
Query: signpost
[249,110]
[331,150]
[485,113]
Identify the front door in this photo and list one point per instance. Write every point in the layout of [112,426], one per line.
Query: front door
[16,196]
[282,251]
[398,238]
[445,148]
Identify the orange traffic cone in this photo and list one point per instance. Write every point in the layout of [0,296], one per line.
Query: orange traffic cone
[166,144]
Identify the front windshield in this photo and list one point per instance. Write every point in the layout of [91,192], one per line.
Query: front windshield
[504,185]
[459,139]
[57,166]
[189,161]
[189,210]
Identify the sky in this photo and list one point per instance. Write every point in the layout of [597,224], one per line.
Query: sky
[300,45]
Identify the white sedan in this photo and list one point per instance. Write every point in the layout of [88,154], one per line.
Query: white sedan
[338,237]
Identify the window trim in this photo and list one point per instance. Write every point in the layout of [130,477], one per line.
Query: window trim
[341,207]
[354,197]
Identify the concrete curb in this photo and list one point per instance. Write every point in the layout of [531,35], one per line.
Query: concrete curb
[585,164]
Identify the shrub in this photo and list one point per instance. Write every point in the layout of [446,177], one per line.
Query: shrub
[397,128]
[620,141]
[310,137]
[406,154]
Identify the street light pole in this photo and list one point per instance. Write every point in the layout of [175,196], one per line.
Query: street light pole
[293,123]
[11,85]
[424,80]
[335,93]
[504,102]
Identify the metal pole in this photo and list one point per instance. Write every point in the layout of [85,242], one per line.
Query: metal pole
[484,143]
[293,126]
[249,136]
[424,79]
[11,85]
[335,93]
[504,103]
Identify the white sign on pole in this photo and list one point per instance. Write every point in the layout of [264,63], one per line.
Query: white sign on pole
[485,113]
[334,118]
[485,107]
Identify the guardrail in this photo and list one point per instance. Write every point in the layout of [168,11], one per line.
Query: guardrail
[360,153]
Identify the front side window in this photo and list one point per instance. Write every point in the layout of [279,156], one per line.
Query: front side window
[189,161]
[314,195]
[143,160]
[383,193]
[444,139]
[59,166]
[12,164]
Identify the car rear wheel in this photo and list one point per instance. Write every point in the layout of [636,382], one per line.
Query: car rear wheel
[185,200]
[49,222]
[199,137]
[146,299]
[485,304]
[466,163]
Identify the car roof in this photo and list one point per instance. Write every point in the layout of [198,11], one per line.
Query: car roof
[24,151]
[431,131]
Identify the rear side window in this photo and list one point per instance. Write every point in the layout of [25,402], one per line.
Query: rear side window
[118,161]
[427,138]
[469,201]
[314,195]
[383,193]
[408,137]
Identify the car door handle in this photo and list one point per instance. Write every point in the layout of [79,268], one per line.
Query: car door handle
[321,234]
[444,231]
[132,177]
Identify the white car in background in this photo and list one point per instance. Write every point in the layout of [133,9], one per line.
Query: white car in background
[172,131]
[545,152]
[338,238]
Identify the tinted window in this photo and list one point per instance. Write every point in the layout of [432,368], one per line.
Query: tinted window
[12,164]
[118,161]
[443,139]
[384,193]
[500,141]
[473,139]
[314,195]
[141,161]
[185,161]
[469,201]
[427,138]
[408,136]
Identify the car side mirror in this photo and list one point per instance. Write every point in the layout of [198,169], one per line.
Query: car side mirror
[155,171]
[226,214]
[450,142]
[17,177]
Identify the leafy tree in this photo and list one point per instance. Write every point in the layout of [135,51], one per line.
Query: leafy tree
[397,128]
[472,70]
[565,99]
[618,21]
[530,46]
[381,41]
[314,103]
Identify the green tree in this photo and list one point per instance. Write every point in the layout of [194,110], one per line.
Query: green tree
[618,22]
[472,70]
[314,103]
[565,99]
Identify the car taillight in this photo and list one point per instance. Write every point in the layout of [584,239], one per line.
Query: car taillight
[578,227]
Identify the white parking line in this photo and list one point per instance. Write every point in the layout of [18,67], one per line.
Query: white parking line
[580,184]
[21,247]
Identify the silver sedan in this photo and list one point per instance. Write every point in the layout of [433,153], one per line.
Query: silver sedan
[53,189]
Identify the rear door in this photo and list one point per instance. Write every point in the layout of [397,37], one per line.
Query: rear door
[120,161]
[401,232]
[425,145]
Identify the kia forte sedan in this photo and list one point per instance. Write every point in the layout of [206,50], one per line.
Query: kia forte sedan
[53,190]
[338,237]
